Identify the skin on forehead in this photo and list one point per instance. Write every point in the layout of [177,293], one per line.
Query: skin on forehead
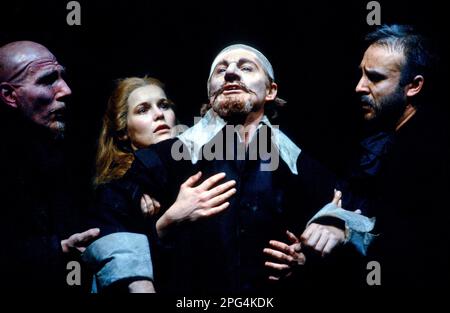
[237,54]
[382,60]
[15,57]
[148,93]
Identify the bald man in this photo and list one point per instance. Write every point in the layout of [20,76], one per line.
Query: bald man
[35,204]
[31,82]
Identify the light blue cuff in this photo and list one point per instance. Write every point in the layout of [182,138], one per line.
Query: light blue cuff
[119,256]
[357,226]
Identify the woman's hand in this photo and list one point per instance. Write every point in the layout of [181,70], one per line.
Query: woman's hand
[197,202]
[149,206]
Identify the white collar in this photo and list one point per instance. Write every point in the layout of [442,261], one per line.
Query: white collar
[211,124]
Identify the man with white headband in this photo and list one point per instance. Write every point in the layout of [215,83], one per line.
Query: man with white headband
[260,59]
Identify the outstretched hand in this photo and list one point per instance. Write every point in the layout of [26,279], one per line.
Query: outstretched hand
[79,241]
[203,201]
[198,202]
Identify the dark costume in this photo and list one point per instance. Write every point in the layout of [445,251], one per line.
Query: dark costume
[223,253]
[402,179]
[36,211]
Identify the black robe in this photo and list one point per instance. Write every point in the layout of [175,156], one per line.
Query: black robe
[37,211]
[402,179]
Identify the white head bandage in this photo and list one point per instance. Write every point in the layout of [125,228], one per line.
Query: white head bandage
[261,58]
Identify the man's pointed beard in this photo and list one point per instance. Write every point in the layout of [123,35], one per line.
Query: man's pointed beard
[232,106]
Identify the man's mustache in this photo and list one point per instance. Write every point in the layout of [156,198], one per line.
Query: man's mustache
[367,100]
[222,88]
[58,112]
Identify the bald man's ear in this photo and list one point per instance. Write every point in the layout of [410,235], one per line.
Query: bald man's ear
[272,90]
[8,95]
[415,86]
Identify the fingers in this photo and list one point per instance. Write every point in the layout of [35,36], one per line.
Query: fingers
[277,266]
[329,246]
[78,240]
[301,258]
[87,235]
[220,198]
[358,211]
[144,207]
[308,232]
[147,205]
[296,247]
[156,205]
[216,210]
[221,188]
[191,181]
[280,246]
[207,184]
[337,197]
[313,239]
[278,255]
[321,242]
[292,251]
[292,238]
[324,239]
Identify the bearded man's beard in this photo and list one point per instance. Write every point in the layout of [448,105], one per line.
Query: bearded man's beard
[232,106]
[388,111]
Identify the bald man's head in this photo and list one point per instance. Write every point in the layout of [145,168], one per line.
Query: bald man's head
[17,58]
[31,81]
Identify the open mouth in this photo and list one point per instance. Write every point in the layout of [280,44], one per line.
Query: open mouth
[162,128]
[232,88]
[58,114]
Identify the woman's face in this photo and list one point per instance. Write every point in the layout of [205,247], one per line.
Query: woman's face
[150,116]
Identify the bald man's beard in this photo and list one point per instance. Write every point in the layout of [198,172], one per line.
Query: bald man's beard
[59,128]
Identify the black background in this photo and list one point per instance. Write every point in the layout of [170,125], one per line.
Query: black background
[315,49]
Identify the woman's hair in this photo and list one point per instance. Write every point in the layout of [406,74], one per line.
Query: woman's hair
[114,154]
